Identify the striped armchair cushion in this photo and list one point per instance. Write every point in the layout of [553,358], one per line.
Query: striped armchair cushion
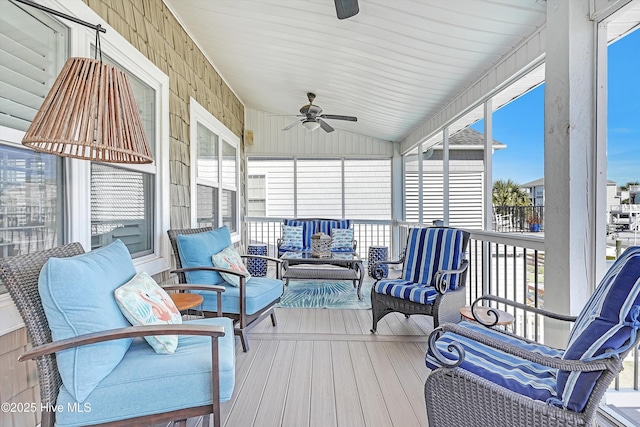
[610,319]
[326,225]
[406,290]
[308,228]
[519,375]
[432,249]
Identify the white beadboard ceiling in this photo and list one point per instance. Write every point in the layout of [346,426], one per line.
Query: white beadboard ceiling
[394,65]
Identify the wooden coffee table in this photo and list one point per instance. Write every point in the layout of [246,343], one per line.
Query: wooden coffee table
[482,312]
[184,301]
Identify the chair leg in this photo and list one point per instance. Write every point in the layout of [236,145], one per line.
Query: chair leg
[274,321]
[216,415]
[243,338]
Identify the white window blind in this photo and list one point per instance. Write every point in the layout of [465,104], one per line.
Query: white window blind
[32,52]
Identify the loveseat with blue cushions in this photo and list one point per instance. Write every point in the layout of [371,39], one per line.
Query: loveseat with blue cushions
[93,366]
[489,377]
[296,235]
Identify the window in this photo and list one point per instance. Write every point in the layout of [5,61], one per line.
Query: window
[65,200]
[123,197]
[257,195]
[32,52]
[215,177]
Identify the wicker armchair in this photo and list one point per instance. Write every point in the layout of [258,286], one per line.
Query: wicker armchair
[489,377]
[236,303]
[20,274]
[433,277]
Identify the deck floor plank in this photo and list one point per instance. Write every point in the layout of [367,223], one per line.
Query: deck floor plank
[348,404]
[323,408]
[297,407]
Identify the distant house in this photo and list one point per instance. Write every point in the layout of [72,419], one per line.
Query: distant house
[466,168]
[535,189]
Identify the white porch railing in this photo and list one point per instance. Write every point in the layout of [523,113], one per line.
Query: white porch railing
[510,266]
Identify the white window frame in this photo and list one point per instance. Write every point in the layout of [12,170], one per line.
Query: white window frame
[200,115]
[77,172]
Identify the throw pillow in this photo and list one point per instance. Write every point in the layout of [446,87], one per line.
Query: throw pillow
[230,259]
[77,297]
[144,302]
[341,238]
[292,236]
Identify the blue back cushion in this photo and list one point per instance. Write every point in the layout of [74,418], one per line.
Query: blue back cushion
[197,249]
[432,249]
[308,228]
[78,298]
[610,318]
[326,225]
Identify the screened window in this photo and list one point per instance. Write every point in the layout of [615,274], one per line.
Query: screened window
[367,188]
[257,195]
[319,188]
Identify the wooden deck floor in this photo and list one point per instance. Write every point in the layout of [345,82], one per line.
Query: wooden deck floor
[323,368]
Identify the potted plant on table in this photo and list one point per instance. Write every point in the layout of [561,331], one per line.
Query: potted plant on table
[533,219]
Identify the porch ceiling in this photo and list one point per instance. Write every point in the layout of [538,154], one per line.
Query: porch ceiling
[394,65]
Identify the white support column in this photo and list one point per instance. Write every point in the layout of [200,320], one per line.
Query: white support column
[569,162]
[397,200]
[420,184]
[488,191]
[445,174]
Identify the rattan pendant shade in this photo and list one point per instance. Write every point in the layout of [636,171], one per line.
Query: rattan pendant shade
[90,113]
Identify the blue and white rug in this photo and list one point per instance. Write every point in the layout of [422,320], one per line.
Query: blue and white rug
[325,294]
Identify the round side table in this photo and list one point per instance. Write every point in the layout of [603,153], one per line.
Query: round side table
[378,253]
[504,318]
[257,267]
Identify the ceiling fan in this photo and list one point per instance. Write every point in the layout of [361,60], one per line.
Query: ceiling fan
[313,117]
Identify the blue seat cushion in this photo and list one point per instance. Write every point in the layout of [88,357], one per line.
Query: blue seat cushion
[519,375]
[608,321]
[285,248]
[260,292]
[197,249]
[406,290]
[78,298]
[145,382]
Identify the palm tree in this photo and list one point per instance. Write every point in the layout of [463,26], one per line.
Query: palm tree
[509,193]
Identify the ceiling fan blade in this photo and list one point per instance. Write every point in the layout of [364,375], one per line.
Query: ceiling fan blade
[334,117]
[325,126]
[294,124]
[346,8]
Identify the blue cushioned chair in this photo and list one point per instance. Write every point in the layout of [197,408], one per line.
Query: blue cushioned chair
[93,366]
[248,303]
[486,377]
[433,277]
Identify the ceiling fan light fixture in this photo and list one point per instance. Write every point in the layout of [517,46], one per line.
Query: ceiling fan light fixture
[311,125]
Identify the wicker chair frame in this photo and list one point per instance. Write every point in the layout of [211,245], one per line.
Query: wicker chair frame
[445,308]
[243,322]
[478,402]
[20,275]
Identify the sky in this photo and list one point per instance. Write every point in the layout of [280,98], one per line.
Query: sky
[520,124]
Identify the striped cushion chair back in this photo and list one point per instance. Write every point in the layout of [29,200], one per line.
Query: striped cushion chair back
[432,249]
[607,326]
[326,225]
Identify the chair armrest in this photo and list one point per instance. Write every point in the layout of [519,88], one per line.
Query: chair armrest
[194,287]
[492,312]
[208,268]
[441,284]
[268,258]
[610,364]
[120,333]
[377,274]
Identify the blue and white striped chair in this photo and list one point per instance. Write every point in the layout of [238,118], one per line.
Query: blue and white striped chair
[487,377]
[433,277]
